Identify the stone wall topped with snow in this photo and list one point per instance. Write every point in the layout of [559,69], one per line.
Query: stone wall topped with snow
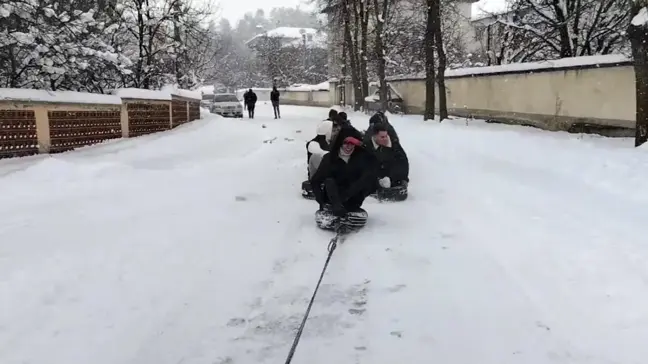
[580,94]
[39,121]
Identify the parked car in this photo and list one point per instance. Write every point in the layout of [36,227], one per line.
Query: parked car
[395,102]
[207,100]
[227,105]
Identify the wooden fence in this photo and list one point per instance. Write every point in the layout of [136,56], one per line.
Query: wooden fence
[38,121]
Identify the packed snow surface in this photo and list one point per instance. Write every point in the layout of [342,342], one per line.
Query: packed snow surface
[194,246]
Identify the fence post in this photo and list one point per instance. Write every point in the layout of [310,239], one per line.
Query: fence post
[125,125]
[42,129]
[171,114]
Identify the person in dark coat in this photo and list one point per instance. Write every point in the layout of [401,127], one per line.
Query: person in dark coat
[332,115]
[342,121]
[344,179]
[379,118]
[274,98]
[249,100]
[393,165]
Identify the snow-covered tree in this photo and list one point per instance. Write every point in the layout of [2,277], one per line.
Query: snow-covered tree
[55,45]
[549,29]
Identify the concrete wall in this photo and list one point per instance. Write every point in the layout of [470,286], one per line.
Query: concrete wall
[583,94]
[598,97]
[306,98]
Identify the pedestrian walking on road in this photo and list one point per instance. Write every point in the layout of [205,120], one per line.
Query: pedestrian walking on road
[274,98]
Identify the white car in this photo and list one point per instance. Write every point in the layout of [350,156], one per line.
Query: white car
[207,100]
[227,105]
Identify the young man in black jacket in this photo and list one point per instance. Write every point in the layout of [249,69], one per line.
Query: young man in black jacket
[274,98]
[380,118]
[393,165]
[344,179]
[249,100]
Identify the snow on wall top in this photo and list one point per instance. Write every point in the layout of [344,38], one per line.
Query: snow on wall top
[573,62]
[136,93]
[68,97]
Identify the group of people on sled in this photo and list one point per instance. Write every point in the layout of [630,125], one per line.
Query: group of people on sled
[345,166]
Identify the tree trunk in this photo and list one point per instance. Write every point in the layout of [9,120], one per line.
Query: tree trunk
[429,62]
[352,53]
[638,35]
[177,38]
[380,51]
[438,40]
[364,76]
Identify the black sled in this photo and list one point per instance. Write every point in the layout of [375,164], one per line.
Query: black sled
[392,194]
[307,190]
[352,221]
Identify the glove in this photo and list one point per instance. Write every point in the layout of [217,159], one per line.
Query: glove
[384,182]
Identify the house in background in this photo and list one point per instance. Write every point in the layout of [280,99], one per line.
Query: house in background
[291,55]
[290,37]
[498,43]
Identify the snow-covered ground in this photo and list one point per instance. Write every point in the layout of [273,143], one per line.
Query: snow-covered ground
[195,247]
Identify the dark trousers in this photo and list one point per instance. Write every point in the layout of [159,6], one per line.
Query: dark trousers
[275,107]
[250,109]
[353,203]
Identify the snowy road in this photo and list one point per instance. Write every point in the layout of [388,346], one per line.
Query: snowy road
[195,247]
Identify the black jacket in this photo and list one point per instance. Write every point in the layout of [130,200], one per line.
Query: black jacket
[380,118]
[274,96]
[355,179]
[249,98]
[392,162]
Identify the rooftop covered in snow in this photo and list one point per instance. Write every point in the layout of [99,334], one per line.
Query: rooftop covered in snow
[291,36]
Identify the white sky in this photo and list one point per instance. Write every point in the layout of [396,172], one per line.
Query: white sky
[234,10]
[488,7]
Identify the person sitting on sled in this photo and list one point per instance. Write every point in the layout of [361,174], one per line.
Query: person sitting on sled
[318,146]
[344,179]
[333,114]
[393,165]
[341,121]
[379,118]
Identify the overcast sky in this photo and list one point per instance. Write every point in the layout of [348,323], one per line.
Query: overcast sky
[233,10]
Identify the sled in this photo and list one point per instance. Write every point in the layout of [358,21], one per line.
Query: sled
[307,190]
[392,194]
[353,221]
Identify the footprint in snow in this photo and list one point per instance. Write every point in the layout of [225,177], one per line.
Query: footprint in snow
[236,321]
[396,288]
